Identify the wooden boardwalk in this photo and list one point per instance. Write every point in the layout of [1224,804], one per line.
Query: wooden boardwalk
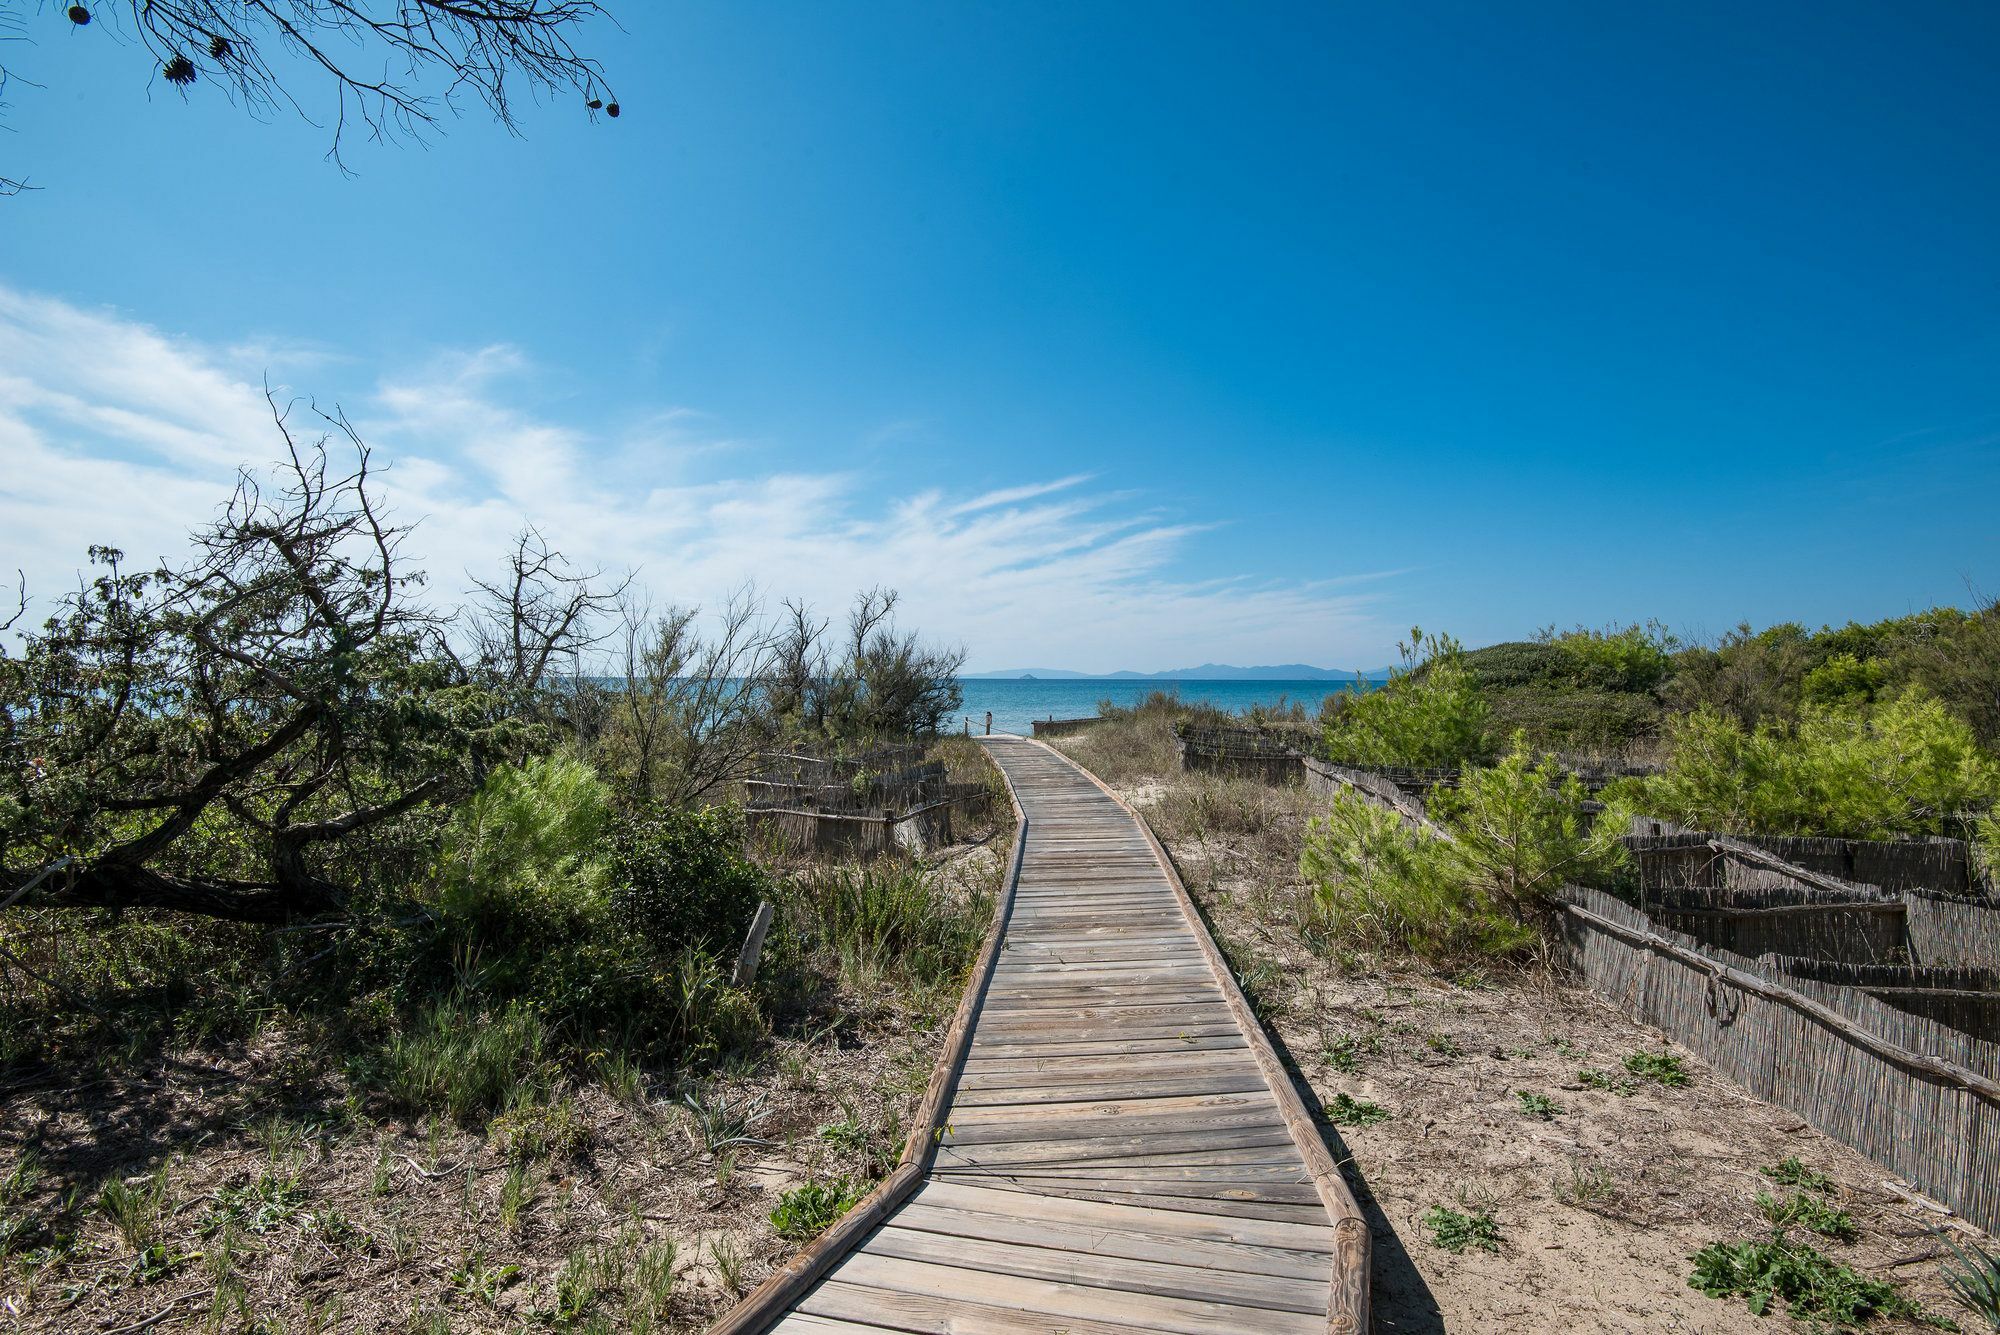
[1113,1146]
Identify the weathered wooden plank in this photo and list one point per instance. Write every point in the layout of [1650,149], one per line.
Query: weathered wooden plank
[1003,1121]
[1138,1244]
[1104,1270]
[1049,1298]
[1140,1087]
[1124,1213]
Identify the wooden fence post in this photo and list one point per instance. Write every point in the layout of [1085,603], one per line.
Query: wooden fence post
[753,946]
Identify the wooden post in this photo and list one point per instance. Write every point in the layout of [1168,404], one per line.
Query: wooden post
[989,723]
[753,945]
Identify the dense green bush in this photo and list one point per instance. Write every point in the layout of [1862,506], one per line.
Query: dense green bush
[1512,835]
[1519,831]
[1381,883]
[598,926]
[680,879]
[1907,767]
[1782,672]
[1430,713]
[1629,658]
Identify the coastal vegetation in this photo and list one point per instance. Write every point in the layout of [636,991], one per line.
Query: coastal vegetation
[1870,731]
[392,894]
[1403,954]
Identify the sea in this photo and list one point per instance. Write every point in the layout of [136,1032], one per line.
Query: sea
[1017,702]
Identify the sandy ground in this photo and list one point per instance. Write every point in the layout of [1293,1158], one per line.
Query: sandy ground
[1599,1206]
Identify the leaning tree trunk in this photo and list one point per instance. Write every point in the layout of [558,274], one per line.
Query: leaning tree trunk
[123,886]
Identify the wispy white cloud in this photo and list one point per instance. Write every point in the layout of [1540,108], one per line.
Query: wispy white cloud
[112,431]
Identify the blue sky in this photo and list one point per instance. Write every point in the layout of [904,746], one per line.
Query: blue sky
[1116,335]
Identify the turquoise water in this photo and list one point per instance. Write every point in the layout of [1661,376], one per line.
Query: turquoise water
[1015,703]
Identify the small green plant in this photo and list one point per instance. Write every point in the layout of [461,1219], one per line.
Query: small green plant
[652,1287]
[1609,1081]
[516,1195]
[541,1131]
[847,1136]
[1456,1230]
[465,1064]
[807,1211]
[1538,1105]
[1663,1068]
[1810,1212]
[259,1207]
[1975,1282]
[1344,1052]
[579,1284]
[728,1260]
[477,1278]
[15,1222]
[886,923]
[719,1122]
[1817,1291]
[1444,1046]
[1789,1172]
[1585,1186]
[1346,1110]
[134,1207]
[155,1262]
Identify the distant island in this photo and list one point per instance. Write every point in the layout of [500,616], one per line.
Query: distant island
[1206,672]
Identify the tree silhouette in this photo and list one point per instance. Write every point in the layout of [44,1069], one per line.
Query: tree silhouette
[376,56]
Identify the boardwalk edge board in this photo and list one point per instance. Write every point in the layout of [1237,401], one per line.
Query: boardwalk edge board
[786,1285]
[1257,1193]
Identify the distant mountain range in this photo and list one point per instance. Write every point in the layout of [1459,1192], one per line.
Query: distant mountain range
[1206,672]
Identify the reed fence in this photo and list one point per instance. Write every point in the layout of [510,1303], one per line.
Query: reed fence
[1916,1095]
[885,801]
[1282,756]
[1872,1012]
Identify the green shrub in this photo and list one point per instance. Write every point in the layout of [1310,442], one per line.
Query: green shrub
[1630,658]
[1844,680]
[607,930]
[807,1211]
[1517,834]
[680,879]
[1378,881]
[1519,831]
[1816,1291]
[1429,714]
[1906,768]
